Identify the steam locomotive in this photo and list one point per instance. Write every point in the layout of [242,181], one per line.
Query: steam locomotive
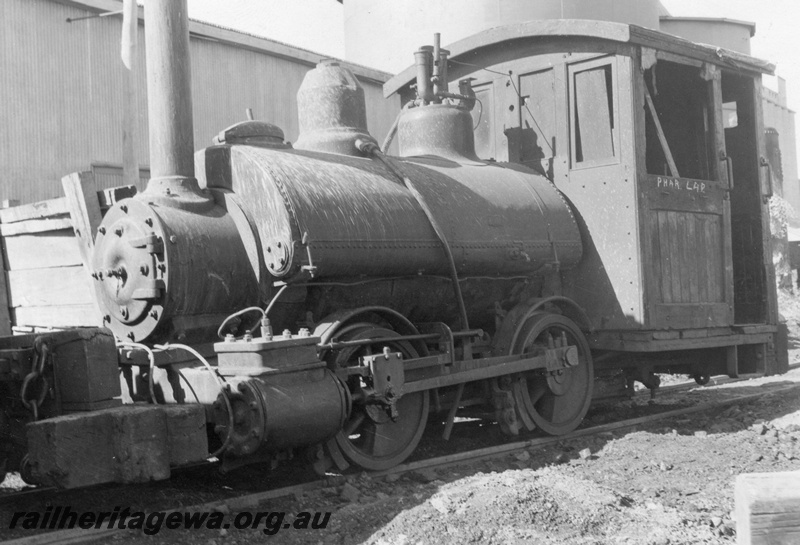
[325,298]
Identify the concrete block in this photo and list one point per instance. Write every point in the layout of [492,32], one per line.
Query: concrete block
[140,443]
[124,444]
[186,433]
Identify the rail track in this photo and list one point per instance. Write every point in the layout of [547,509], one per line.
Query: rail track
[8,497]
[249,501]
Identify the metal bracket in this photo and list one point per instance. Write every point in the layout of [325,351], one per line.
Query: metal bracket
[152,291]
[151,243]
[446,340]
[388,375]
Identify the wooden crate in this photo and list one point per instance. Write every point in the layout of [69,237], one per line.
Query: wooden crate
[46,253]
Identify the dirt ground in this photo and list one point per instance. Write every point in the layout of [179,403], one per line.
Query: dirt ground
[670,482]
[667,483]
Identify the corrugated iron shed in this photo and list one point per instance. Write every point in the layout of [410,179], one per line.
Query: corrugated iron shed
[62,90]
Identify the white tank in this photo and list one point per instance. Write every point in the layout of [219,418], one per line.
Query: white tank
[382,33]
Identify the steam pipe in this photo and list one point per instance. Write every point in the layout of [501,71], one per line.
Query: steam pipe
[423,61]
[443,53]
[437,88]
[169,98]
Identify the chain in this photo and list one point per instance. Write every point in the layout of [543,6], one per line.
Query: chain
[31,402]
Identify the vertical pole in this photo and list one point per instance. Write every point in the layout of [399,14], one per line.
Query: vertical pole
[169,93]
[130,159]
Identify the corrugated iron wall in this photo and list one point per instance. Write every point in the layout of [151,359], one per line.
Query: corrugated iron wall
[61,95]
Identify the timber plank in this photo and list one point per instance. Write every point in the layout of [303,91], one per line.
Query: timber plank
[58,316]
[35,226]
[683,257]
[674,256]
[108,197]
[656,261]
[37,210]
[52,286]
[768,508]
[84,209]
[693,260]
[40,250]
[702,255]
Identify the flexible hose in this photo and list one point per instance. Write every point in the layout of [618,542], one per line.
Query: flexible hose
[222,389]
[371,149]
[392,130]
[152,358]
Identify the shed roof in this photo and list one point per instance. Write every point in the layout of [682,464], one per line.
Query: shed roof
[542,30]
[235,37]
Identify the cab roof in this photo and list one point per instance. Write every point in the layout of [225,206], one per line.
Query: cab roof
[540,31]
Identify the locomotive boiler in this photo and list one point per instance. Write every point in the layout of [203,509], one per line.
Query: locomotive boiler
[329,299]
[435,237]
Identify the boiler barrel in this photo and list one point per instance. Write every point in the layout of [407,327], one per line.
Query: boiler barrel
[360,219]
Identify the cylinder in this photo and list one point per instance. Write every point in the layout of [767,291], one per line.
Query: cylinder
[169,90]
[165,273]
[277,412]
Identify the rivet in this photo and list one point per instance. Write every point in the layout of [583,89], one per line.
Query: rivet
[279,245]
[107,318]
[118,231]
[101,230]
[124,208]
[283,261]
[131,336]
[144,269]
[173,239]
[149,222]
[154,314]
[269,249]
[124,311]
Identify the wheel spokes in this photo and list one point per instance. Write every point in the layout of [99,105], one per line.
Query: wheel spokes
[354,423]
[556,402]
[370,438]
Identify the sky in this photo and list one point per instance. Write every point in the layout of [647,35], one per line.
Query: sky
[776,40]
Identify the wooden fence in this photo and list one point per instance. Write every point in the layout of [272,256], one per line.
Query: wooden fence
[46,258]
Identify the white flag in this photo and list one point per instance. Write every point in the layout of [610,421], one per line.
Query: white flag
[130,31]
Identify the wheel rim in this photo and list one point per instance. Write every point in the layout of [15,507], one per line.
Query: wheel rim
[555,402]
[369,437]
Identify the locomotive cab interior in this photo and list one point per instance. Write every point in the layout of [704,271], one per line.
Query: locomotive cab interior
[707,131]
